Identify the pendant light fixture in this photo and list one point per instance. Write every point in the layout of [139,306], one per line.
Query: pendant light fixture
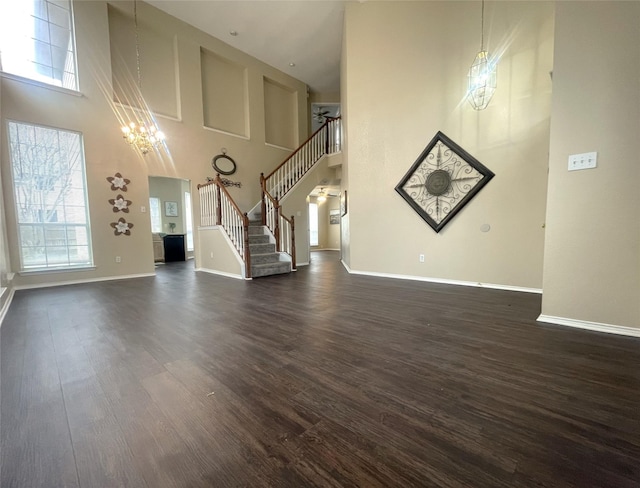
[143,137]
[482,76]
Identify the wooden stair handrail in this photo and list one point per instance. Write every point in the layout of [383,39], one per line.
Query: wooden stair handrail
[328,121]
[218,182]
[244,218]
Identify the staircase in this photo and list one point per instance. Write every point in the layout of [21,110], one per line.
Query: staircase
[267,246]
[265,261]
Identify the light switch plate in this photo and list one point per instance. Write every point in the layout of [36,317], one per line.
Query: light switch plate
[583,161]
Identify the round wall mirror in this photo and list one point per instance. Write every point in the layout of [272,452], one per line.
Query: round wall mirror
[223,164]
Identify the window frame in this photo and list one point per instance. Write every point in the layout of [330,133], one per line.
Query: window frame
[151,214]
[57,267]
[25,78]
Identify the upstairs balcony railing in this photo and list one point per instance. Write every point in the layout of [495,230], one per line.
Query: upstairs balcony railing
[326,140]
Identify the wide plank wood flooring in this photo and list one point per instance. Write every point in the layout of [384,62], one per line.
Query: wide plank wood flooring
[315,379]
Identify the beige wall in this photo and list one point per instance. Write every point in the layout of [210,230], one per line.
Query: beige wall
[224,94]
[345,234]
[399,90]
[190,146]
[280,112]
[212,242]
[592,250]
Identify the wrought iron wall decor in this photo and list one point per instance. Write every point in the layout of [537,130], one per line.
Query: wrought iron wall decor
[226,182]
[443,179]
[223,164]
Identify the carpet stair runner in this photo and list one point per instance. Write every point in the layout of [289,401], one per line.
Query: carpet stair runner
[265,261]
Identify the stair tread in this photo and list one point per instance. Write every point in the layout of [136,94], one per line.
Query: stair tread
[277,264]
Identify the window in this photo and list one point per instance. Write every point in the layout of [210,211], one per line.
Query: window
[37,41]
[156,216]
[50,195]
[313,224]
[187,219]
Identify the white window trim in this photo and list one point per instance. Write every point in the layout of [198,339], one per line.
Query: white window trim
[41,84]
[53,269]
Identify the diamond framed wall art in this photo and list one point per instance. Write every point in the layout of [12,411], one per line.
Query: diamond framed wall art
[442,181]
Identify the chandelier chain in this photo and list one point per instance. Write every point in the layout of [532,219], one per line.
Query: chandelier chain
[481,34]
[135,23]
[139,135]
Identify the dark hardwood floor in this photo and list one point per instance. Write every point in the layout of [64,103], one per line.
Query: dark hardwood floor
[318,378]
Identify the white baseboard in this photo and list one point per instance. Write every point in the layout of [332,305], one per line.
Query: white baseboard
[596,326]
[5,307]
[79,282]
[221,273]
[442,281]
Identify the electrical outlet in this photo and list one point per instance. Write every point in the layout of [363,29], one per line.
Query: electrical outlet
[421,258]
[118,259]
[583,161]
[143,209]
[211,255]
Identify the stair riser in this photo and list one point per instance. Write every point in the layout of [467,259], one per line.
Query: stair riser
[256,230]
[258,239]
[262,248]
[264,258]
[280,268]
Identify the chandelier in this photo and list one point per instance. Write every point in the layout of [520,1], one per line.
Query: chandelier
[143,137]
[482,76]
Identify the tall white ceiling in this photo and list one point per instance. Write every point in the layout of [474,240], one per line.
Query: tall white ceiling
[307,33]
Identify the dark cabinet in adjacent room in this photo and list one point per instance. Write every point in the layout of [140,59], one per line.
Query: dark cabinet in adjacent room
[174,249]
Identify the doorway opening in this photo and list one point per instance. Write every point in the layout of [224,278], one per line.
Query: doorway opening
[170,212]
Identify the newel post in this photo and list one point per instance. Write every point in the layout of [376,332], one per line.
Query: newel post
[276,230]
[293,242]
[326,136]
[218,201]
[263,203]
[247,254]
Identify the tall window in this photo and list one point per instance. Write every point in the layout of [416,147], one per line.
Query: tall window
[313,224]
[37,41]
[156,216]
[51,199]
[187,219]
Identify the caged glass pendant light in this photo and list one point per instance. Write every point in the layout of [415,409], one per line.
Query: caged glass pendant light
[138,134]
[482,76]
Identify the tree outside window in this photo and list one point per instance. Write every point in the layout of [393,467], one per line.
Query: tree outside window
[50,196]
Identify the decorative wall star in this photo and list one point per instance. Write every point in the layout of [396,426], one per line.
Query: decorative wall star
[120,204]
[118,182]
[121,227]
